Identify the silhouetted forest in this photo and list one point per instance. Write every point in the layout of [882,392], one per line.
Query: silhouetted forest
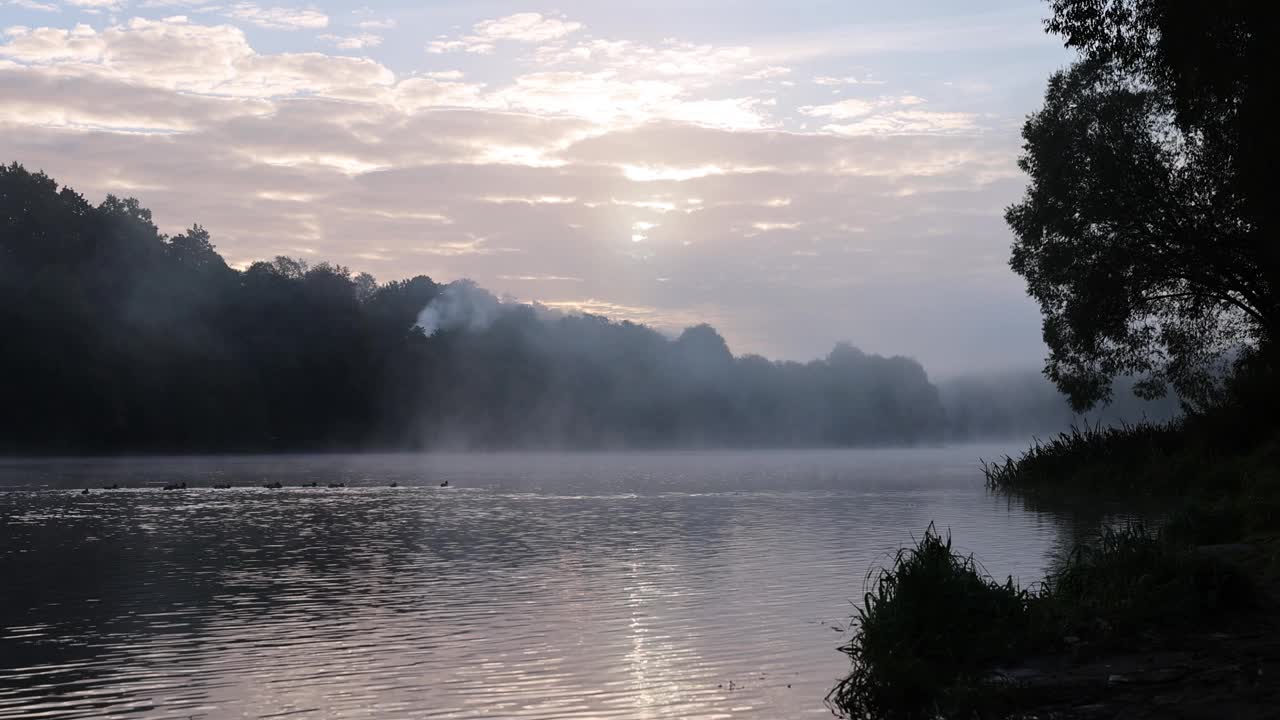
[119,338]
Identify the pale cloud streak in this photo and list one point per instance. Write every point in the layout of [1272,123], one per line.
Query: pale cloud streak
[96,4]
[888,115]
[34,5]
[377,24]
[358,41]
[527,27]
[276,18]
[859,108]
[846,80]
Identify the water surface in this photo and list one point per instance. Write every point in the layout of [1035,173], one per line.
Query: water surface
[647,585]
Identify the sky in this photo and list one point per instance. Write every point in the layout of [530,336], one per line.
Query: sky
[795,173]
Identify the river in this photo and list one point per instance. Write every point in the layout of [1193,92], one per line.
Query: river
[540,585]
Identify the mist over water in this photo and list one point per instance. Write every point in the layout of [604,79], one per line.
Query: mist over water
[623,585]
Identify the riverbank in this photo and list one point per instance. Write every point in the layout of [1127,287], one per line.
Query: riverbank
[1178,618]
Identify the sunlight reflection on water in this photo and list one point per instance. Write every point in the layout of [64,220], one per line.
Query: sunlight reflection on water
[673,585]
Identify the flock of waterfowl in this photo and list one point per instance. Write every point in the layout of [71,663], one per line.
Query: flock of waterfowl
[277,485]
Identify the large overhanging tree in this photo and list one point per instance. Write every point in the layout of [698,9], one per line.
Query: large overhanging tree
[1147,230]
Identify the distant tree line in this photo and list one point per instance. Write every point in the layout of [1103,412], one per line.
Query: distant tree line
[118,338]
[1023,404]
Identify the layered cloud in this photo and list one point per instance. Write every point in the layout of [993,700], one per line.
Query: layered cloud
[527,27]
[358,41]
[34,5]
[278,18]
[668,182]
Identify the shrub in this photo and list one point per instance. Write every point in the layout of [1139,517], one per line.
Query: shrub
[934,625]
[930,625]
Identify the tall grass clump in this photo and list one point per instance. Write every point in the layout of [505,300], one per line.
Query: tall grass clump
[1095,457]
[930,626]
[934,625]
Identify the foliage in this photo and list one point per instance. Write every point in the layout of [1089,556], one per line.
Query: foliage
[1146,231]
[931,626]
[934,627]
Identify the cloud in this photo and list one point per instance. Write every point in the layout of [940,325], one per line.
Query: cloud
[609,99]
[49,99]
[730,113]
[890,115]
[47,45]
[847,80]
[96,4]
[352,42]
[431,91]
[277,18]
[769,72]
[669,59]
[209,59]
[382,24]
[528,27]
[538,181]
[471,45]
[634,313]
[908,122]
[540,278]
[199,5]
[34,5]
[856,108]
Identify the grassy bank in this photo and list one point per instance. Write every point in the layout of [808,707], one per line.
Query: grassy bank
[936,635]
[1219,484]
[935,632]
[1187,456]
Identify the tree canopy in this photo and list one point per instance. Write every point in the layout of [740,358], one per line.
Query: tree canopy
[1147,230]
